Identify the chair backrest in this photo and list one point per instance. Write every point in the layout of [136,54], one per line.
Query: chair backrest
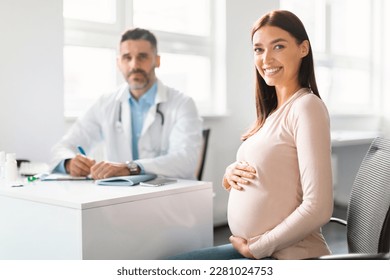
[368,216]
[205,143]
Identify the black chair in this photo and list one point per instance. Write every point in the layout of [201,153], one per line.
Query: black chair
[202,160]
[368,214]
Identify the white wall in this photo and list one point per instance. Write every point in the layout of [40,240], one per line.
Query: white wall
[385,54]
[31,90]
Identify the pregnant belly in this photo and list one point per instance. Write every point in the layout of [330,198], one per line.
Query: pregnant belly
[251,212]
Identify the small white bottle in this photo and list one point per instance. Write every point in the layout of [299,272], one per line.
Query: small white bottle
[2,165]
[11,168]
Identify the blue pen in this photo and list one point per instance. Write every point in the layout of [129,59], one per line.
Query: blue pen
[81,150]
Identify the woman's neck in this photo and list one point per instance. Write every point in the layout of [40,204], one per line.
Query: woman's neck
[284,93]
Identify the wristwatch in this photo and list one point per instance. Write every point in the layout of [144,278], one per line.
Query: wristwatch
[133,167]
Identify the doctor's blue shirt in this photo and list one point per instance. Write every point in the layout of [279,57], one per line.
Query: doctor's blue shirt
[138,110]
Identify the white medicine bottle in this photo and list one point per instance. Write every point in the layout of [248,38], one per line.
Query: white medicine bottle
[11,168]
[2,165]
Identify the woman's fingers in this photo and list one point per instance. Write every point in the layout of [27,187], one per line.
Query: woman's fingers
[235,186]
[237,174]
[244,174]
[245,170]
[239,179]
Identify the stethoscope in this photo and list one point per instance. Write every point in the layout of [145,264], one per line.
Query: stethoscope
[119,125]
[160,113]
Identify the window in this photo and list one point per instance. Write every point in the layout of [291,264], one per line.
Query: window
[177,16]
[344,37]
[89,72]
[185,31]
[104,11]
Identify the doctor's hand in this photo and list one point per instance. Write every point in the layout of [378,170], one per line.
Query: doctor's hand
[106,169]
[238,172]
[241,245]
[80,165]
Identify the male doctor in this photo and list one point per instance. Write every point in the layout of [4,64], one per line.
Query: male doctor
[145,126]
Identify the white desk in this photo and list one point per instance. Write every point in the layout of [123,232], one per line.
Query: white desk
[342,138]
[81,220]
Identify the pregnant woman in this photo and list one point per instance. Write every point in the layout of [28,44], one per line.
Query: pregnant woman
[281,184]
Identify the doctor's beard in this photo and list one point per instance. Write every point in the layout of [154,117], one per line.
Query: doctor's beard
[138,83]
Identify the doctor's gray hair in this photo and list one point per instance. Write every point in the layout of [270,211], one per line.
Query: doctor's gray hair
[140,34]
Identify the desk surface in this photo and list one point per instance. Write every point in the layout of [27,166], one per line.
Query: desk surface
[351,137]
[86,194]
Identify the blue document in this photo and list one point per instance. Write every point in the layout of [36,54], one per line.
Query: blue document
[125,180]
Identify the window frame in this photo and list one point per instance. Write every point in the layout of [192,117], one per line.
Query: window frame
[106,35]
[325,57]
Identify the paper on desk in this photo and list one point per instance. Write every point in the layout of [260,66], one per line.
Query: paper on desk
[62,177]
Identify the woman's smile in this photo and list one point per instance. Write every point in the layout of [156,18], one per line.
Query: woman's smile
[271,71]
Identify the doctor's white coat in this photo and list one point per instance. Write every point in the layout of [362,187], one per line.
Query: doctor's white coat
[168,146]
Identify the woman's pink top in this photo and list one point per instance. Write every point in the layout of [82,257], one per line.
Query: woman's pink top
[282,210]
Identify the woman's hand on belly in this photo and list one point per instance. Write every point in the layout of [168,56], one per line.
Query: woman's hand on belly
[241,245]
[238,173]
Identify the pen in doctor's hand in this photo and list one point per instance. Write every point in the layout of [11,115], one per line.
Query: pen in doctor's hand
[81,150]
[80,165]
